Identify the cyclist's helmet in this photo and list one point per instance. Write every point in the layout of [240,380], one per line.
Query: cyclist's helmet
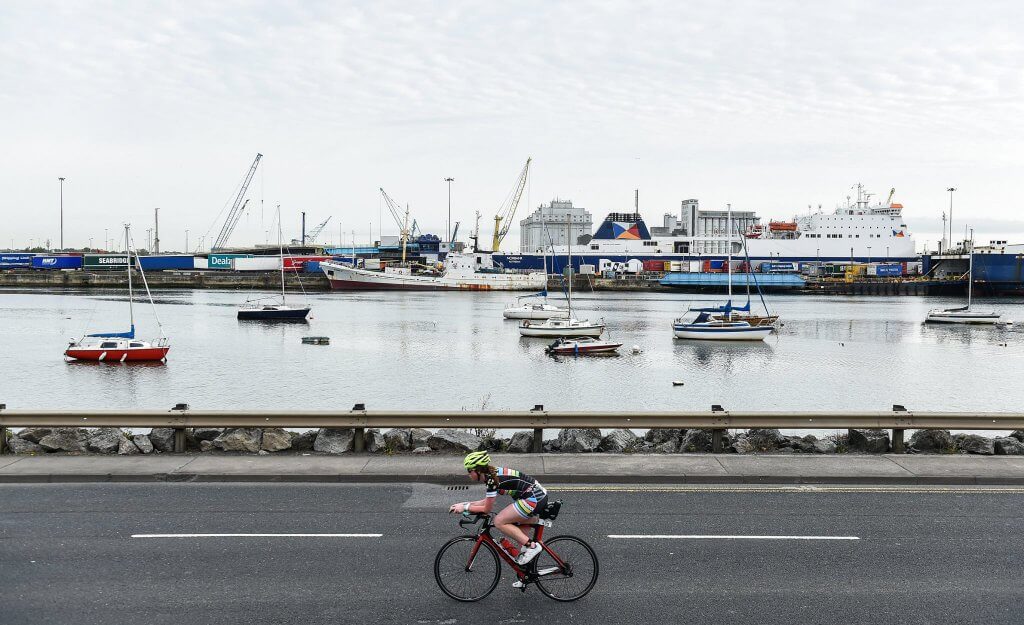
[477,459]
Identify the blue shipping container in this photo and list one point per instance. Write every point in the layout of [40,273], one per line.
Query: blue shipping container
[777,267]
[57,262]
[9,261]
[159,263]
[889,270]
[312,266]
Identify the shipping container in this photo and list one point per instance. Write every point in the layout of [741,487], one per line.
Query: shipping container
[889,270]
[656,265]
[298,262]
[371,263]
[256,263]
[778,267]
[714,266]
[223,261]
[634,265]
[57,262]
[694,266]
[677,266]
[312,266]
[13,261]
[161,263]
[200,263]
[587,270]
[103,262]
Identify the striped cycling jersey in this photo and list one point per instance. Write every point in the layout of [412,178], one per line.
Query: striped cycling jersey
[515,484]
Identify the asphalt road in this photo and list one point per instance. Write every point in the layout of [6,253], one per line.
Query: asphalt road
[67,555]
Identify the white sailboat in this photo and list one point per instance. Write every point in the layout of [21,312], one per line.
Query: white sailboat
[555,327]
[964,314]
[535,311]
[260,310]
[719,323]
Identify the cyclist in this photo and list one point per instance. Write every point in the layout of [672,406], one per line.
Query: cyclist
[528,499]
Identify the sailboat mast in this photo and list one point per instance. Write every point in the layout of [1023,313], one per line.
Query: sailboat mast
[728,243]
[280,251]
[568,272]
[128,257]
[970,270]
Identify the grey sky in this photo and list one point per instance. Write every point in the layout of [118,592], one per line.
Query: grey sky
[769,106]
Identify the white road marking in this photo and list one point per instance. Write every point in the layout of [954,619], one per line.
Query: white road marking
[257,535]
[728,536]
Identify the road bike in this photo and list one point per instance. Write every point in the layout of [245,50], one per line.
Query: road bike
[468,568]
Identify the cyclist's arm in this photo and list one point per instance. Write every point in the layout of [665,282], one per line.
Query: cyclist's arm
[484,506]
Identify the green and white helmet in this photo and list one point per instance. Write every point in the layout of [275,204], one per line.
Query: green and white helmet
[476,460]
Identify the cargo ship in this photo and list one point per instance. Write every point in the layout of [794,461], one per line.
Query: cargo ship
[856,232]
[462,272]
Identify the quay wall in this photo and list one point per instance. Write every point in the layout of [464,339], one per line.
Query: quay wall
[228,280]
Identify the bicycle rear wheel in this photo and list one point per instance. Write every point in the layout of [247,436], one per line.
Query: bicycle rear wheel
[577,574]
[463,578]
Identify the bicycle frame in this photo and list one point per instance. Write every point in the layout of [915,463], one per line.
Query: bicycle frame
[484,536]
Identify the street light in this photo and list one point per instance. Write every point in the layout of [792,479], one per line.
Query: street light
[449,181]
[869,254]
[61,213]
[951,190]
[186,240]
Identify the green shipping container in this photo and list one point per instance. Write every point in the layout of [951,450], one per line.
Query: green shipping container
[223,261]
[95,262]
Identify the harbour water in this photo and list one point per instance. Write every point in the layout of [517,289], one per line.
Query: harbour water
[454,351]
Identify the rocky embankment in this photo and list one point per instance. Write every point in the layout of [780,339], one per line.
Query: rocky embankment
[404,440]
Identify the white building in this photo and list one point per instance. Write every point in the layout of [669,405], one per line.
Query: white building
[708,228]
[555,223]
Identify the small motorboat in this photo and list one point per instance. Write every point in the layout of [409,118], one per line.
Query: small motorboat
[273,312]
[558,327]
[582,346]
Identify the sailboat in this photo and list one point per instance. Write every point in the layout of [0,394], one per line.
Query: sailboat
[555,327]
[720,323]
[534,310]
[743,313]
[122,346]
[964,314]
[255,310]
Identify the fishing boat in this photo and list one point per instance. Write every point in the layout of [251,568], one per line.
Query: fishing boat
[122,346]
[258,310]
[582,346]
[720,323]
[568,325]
[964,314]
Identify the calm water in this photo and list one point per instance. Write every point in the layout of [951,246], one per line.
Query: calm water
[454,351]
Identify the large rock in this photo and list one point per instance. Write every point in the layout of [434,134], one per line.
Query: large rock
[143,443]
[659,436]
[823,447]
[127,448]
[450,440]
[871,441]
[742,445]
[275,439]
[19,445]
[931,441]
[1017,434]
[206,434]
[205,446]
[304,441]
[579,440]
[619,441]
[974,444]
[105,440]
[419,437]
[521,443]
[373,441]
[162,439]
[700,441]
[398,439]
[239,439]
[667,447]
[65,439]
[766,439]
[334,440]
[34,434]
[1008,446]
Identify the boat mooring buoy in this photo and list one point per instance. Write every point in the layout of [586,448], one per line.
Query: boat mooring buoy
[677,383]
[316,340]
[636,349]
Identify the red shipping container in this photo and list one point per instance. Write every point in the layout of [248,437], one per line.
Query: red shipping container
[654,265]
[296,263]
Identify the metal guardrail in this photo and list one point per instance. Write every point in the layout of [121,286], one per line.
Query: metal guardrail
[718,420]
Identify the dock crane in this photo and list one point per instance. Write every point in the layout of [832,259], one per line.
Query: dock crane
[237,209]
[892,192]
[311,237]
[508,208]
[400,219]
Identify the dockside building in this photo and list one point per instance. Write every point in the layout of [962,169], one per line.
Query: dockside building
[556,223]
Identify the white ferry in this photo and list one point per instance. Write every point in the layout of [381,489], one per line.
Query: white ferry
[858,232]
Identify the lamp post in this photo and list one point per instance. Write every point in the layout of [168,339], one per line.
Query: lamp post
[869,254]
[105,245]
[449,227]
[951,190]
[186,240]
[61,212]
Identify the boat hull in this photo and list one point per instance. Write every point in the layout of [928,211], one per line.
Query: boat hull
[963,319]
[534,315]
[292,314]
[351,279]
[610,348]
[144,354]
[750,333]
[539,331]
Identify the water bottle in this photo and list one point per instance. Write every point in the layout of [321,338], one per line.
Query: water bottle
[510,547]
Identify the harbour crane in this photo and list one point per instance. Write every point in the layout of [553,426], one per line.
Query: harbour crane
[455,233]
[237,209]
[892,192]
[400,219]
[311,237]
[508,208]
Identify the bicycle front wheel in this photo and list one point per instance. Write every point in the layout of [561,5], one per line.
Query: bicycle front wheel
[574,576]
[465,572]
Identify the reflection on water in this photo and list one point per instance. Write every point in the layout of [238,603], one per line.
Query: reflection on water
[454,351]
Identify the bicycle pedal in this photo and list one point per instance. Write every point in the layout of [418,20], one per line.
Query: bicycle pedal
[546,522]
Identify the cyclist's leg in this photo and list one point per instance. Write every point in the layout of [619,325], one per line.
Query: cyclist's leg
[507,522]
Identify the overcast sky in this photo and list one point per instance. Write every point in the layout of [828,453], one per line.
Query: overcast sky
[770,106]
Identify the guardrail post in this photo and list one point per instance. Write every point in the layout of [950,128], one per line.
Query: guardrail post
[3,433]
[359,437]
[897,433]
[717,443]
[179,433]
[538,433]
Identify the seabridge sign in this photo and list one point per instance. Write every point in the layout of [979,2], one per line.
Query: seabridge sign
[105,261]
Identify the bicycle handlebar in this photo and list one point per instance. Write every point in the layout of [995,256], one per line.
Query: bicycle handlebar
[472,518]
